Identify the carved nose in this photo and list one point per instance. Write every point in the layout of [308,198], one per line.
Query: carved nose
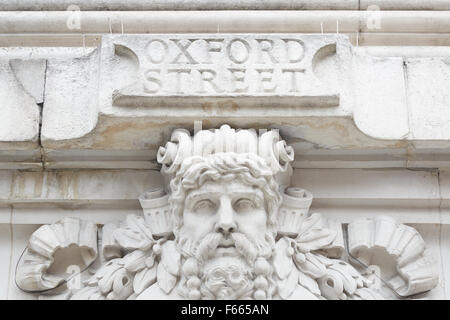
[225,228]
[226,223]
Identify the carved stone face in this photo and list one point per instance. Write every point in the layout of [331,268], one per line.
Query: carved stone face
[226,208]
[225,227]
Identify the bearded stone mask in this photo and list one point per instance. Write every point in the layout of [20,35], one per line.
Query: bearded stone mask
[225,210]
[224,197]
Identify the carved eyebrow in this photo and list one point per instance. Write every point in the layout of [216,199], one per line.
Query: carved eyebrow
[236,195]
[199,194]
[245,194]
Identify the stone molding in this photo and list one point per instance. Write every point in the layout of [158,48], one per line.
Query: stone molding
[136,5]
[245,21]
[335,120]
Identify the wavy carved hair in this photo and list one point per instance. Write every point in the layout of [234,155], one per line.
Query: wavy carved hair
[247,168]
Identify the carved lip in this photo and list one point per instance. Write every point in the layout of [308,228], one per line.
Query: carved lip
[226,247]
[226,251]
[223,246]
[226,243]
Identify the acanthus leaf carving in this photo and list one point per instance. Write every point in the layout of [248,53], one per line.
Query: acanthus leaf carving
[313,235]
[311,268]
[135,261]
[309,283]
[170,258]
[282,261]
[166,281]
[135,235]
[287,285]
[144,279]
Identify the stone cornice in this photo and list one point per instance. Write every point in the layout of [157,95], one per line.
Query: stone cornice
[390,110]
[119,5]
[299,21]
[50,28]
[108,195]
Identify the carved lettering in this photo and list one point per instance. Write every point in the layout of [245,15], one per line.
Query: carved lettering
[238,77]
[208,76]
[238,53]
[153,84]
[227,64]
[183,51]
[265,77]
[178,75]
[158,48]
[266,46]
[214,45]
[294,45]
[293,78]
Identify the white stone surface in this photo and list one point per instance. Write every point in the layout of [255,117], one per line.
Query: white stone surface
[376,124]
[227,5]
[444,184]
[20,236]
[95,157]
[79,185]
[406,5]
[5,257]
[428,80]
[134,84]
[433,235]
[238,67]
[346,194]
[364,184]
[112,5]
[444,247]
[19,129]
[381,97]
[246,21]
[31,75]
[70,107]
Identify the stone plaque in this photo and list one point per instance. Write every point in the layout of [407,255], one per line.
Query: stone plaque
[256,68]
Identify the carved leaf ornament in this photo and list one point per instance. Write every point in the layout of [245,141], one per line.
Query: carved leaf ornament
[299,262]
[148,262]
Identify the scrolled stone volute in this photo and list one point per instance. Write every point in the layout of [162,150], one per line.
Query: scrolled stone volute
[268,145]
[54,248]
[398,250]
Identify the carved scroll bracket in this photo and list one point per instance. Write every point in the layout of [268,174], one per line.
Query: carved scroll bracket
[398,250]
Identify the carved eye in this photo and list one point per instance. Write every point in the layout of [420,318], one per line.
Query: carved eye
[244,205]
[204,206]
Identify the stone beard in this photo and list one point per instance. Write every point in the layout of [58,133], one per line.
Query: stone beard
[225,209]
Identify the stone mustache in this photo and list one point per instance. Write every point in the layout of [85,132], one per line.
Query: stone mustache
[227,225]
